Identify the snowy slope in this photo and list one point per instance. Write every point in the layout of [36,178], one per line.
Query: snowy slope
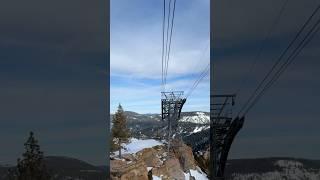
[136,145]
[198,174]
[195,173]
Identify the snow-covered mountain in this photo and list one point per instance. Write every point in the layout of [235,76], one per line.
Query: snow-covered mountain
[197,117]
[273,169]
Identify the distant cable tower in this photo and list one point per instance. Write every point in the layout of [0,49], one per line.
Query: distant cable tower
[171,105]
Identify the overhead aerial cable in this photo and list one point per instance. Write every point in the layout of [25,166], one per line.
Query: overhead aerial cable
[254,94]
[262,45]
[168,39]
[202,75]
[163,27]
[289,60]
[169,48]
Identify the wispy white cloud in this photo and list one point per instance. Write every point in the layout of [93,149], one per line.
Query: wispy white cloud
[140,56]
[135,56]
[146,99]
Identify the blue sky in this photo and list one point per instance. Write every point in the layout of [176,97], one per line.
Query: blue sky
[135,60]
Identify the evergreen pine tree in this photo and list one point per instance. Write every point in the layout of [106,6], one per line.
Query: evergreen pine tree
[120,132]
[31,167]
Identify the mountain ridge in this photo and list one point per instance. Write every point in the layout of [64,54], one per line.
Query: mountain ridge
[237,169]
[64,167]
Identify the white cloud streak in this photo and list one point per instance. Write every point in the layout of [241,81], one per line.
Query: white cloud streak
[135,55]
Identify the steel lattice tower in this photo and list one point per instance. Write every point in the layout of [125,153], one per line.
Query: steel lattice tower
[222,132]
[171,105]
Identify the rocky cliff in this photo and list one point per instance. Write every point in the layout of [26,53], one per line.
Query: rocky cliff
[156,163]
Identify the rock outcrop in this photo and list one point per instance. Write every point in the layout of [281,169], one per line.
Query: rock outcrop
[184,154]
[152,156]
[128,170]
[203,158]
[155,162]
[171,169]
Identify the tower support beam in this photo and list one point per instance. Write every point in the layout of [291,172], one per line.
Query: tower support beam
[222,132]
[171,106]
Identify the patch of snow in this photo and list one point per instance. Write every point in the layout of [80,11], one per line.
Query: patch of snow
[198,174]
[161,161]
[200,153]
[200,113]
[197,129]
[201,128]
[165,154]
[186,176]
[136,145]
[116,158]
[149,168]
[288,163]
[156,177]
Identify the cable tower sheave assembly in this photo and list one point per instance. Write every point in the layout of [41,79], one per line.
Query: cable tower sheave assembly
[222,131]
[171,105]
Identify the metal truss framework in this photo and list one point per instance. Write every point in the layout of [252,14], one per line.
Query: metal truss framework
[171,105]
[222,132]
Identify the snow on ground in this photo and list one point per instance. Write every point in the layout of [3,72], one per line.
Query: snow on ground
[288,163]
[136,145]
[198,174]
[198,129]
[156,177]
[186,176]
